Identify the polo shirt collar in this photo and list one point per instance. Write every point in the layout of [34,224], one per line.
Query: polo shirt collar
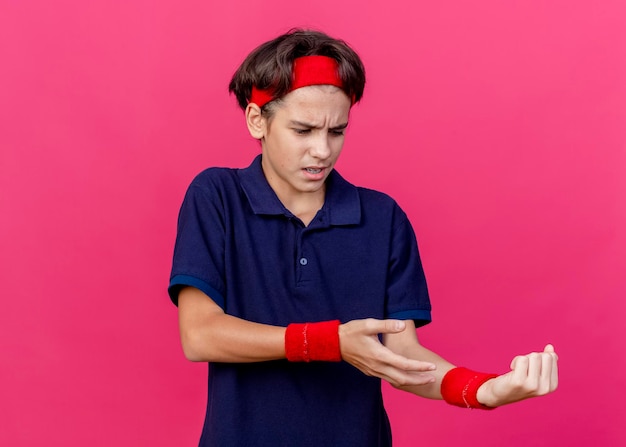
[342,203]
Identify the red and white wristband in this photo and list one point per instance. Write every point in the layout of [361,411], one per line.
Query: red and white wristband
[306,342]
[460,386]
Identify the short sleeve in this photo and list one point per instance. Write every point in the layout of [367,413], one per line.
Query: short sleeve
[199,249]
[407,293]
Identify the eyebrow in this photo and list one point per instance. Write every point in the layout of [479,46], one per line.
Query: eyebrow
[311,126]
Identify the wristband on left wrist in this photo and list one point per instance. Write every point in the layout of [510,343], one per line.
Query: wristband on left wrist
[460,385]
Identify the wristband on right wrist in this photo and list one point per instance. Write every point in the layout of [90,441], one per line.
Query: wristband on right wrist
[306,342]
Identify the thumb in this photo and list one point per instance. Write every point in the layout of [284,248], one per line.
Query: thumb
[391,326]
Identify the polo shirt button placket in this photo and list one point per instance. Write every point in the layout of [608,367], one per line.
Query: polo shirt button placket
[303,266]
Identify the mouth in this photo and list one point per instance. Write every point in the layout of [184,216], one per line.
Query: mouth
[313,170]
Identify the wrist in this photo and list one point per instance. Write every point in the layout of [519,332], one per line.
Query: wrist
[305,342]
[485,396]
[460,387]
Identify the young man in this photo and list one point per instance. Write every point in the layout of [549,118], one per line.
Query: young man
[262,251]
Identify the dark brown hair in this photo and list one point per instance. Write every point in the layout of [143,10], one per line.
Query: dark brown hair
[270,65]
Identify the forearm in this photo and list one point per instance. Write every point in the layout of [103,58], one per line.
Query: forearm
[405,343]
[410,347]
[209,335]
[430,390]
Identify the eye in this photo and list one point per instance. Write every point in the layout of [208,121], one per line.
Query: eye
[302,131]
[336,132]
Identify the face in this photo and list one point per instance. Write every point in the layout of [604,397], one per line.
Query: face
[302,141]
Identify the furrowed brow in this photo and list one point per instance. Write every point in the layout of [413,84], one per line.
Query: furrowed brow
[340,127]
[312,126]
[302,124]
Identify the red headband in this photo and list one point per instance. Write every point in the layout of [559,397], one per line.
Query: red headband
[307,70]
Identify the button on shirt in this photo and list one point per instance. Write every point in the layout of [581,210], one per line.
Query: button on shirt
[356,259]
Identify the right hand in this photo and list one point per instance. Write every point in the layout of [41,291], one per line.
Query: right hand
[360,346]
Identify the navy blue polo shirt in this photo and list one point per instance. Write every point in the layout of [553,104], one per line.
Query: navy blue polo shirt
[357,258]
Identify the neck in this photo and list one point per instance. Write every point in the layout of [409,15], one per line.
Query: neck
[305,206]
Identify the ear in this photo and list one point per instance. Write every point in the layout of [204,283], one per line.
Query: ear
[257,125]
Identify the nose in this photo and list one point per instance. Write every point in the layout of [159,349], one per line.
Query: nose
[320,148]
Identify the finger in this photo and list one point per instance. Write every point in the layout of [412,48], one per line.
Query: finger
[396,369]
[520,369]
[419,379]
[535,362]
[386,326]
[514,362]
[554,373]
[546,366]
[372,326]
[402,378]
[397,361]
[545,379]
[372,353]
[550,349]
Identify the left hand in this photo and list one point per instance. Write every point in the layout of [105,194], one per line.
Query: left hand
[532,375]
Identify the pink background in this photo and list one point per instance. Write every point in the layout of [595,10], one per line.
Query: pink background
[497,125]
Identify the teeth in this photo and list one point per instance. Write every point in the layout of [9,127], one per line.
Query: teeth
[313,171]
